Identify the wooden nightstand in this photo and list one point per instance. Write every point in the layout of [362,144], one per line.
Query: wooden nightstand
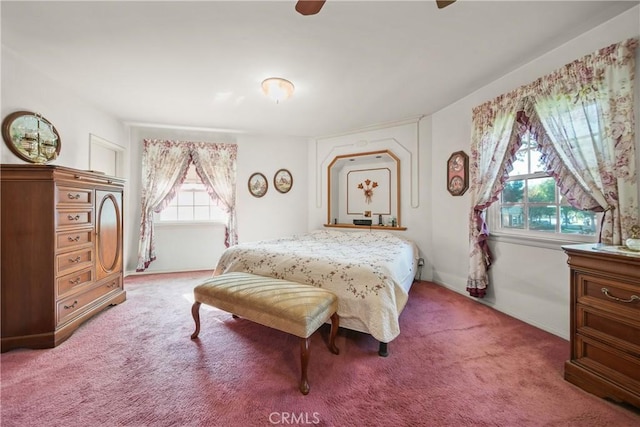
[605,321]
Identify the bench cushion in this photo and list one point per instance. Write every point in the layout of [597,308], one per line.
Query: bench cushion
[280,304]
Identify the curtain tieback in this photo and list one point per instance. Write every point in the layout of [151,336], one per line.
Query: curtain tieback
[609,208]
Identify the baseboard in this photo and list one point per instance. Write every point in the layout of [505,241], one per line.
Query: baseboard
[146,272]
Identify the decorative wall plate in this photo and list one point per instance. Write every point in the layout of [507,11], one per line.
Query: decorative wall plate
[283,181]
[31,137]
[258,185]
[457,173]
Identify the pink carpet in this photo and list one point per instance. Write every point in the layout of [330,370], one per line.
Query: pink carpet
[456,363]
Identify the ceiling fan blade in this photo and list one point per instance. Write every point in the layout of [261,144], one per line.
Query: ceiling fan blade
[444,3]
[309,7]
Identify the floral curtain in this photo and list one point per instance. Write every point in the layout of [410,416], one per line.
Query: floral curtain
[583,119]
[216,166]
[584,116]
[164,167]
[493,147]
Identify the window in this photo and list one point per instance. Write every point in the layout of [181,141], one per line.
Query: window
[192,203]
[531,204]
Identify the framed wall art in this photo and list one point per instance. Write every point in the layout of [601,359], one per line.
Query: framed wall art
[283,181]
[258,185]
[458,173]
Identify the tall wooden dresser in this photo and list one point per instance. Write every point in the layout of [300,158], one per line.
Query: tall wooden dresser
[605,321]
[61,259]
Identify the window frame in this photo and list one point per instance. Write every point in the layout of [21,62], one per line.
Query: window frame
[192,179]
[545,239]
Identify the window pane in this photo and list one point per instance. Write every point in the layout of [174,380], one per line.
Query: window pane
[513,191]
[542,218]
[185,213]
[542,190]
[185,198]
[202,198]
[577,221]
[512,217]
[201,213]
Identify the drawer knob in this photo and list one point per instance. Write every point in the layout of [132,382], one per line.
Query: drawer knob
[633,298]
[73,196]
[74,239]
[67,307]
[73,218]
[76,259]
[75,281]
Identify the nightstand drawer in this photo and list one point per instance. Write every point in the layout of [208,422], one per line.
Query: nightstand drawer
[618,331]
[608,361]
[605,293]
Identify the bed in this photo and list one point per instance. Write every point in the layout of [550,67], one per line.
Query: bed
[371,272]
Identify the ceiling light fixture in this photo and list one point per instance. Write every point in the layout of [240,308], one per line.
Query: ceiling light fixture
[277,88]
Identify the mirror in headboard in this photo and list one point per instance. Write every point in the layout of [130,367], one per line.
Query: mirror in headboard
[363,187]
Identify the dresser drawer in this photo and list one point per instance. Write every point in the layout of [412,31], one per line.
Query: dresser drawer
[75,305]
[620,332]
[75,218]
[73,261]
[605,293]
[74,282]
[73,239]
[74,196]
[617,365]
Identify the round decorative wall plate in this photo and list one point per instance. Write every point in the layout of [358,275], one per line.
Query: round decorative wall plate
[31,137]
[258,185]
[283,181]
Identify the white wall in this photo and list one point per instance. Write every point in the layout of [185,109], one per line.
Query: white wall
[529,283]
[25,87]
[198,247]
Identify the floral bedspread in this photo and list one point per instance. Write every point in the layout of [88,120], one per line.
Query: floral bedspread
[366,270]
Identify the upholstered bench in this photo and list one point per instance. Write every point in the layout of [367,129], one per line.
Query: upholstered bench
[280,304]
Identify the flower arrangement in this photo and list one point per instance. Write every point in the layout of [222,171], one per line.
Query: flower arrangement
[367,188]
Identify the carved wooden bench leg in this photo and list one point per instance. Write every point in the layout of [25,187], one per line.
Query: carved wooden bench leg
[195,312]
[304,362]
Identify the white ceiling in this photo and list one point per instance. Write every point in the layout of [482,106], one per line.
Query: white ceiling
[355,64]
